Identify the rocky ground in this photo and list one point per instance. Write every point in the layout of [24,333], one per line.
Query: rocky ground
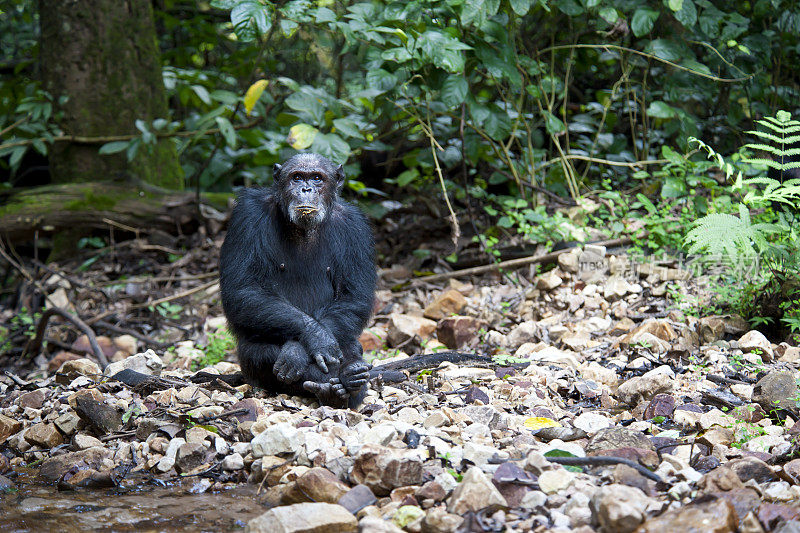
[672,422]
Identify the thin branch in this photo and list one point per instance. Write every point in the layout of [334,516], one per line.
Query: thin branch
[36,343]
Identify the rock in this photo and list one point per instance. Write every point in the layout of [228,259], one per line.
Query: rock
[381,434]
[458,331]
[82,344]
[618,437]
[710,329]
[33,400]
[357,498]
[60,358]
[383,469]
[167,462]
[660,380]
[568,261]
[145,363]
[449,302]
[751,468]
[437,520]
[305,518]
[592,422]
[661,329]
[549,280]
[93,458]
[474,493]
[100,416]
[617,287]
[233,462]
[755,341]
[592,264]
[716,516]
[190,456]
[525,332]
[277,439]
[619,508]
[374,524]
[82,441]
[433,490]
[68,422]
[404,329]
[777,390]
[480,454]
[317,485]
[552,481]
[719,480]
[370,340]
[44,435]
[70,370]
[8,427]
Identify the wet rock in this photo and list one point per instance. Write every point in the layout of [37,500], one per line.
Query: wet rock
[716,516]
[383,469]
[449,302]
[618,437]
[404,329]
[473,493]
[44,435]
[458,331]
[619,508]
[317,485]
[233,462]
[277,439]
[8,427]
[357,498]
[6,485]
[145,363]
[94,458]
[190,456]
[777,389]
[100,416]
[305,518]
[70,370]
[660,380]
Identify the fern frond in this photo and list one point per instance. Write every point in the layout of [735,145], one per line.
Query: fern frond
[762,161]
[780,128]
[723,234]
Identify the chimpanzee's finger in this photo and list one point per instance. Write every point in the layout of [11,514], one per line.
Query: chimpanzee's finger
[312,386]
[320,360]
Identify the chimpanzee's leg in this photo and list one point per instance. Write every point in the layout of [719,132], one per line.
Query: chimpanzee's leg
[257,360]
[345,384]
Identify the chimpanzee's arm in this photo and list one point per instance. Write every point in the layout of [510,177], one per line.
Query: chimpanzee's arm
[354,276]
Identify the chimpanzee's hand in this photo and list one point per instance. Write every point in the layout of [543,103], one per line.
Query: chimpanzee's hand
[322,346]
[291,363]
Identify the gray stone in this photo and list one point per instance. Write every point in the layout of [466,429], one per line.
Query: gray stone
[305,518]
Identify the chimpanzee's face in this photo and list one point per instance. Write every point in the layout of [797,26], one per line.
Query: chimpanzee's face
[308,185]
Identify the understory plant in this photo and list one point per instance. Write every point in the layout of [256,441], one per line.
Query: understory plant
[759,237]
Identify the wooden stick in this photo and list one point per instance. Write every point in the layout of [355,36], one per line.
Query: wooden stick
[36,343]
[514,263]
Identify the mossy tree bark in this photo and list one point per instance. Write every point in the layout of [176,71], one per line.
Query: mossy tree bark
[102,55]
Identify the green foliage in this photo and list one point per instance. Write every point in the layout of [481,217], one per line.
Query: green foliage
[218,346]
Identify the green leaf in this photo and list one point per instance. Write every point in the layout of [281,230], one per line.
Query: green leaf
[301,136]
[497,125]
[659,109]
[454,91]
[331,146]
[643,21]
[251,18]
[675,5]
[348,127]
[609,14]
[113,147]
[569,7]
[301,101]
[202,94]
[553,124]
[520,7]
[687,14]
[381,80]
[407,177]
[227,131]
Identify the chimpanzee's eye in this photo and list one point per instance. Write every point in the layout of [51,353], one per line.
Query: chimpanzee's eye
[317,177]
[297,177]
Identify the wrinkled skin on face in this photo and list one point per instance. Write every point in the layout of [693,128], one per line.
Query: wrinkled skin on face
[308,185]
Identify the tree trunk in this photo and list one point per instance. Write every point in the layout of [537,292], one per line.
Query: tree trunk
[102,55]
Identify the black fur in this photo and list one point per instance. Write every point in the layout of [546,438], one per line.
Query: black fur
[298,290]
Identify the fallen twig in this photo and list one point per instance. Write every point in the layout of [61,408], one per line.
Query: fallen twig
[36,343]
[514,263]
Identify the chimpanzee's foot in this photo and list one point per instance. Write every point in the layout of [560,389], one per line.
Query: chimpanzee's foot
[355,376]
[331,393]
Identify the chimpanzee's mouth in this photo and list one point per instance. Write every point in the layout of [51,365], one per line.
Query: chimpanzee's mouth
[306,210]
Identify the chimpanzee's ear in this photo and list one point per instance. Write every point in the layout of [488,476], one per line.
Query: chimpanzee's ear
[339,173]
[276,171]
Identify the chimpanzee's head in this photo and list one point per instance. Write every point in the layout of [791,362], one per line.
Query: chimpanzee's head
[307,185]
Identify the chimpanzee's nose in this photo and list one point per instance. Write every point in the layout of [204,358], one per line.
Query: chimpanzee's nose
[307,189]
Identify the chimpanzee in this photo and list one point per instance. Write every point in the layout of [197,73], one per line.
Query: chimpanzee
[297,279]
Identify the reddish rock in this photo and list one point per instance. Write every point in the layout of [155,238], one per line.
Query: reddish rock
[44,435]
[772,514]
[94,458]
[717,516]
[8,427]
[33,399]
[457,331]
[383,469]
[82,344]
[660,405]
[61,358]
[450,302]
[316,485]
[370,341]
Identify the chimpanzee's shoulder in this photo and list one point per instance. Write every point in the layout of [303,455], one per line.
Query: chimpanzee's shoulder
[350,216]
[255,200]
